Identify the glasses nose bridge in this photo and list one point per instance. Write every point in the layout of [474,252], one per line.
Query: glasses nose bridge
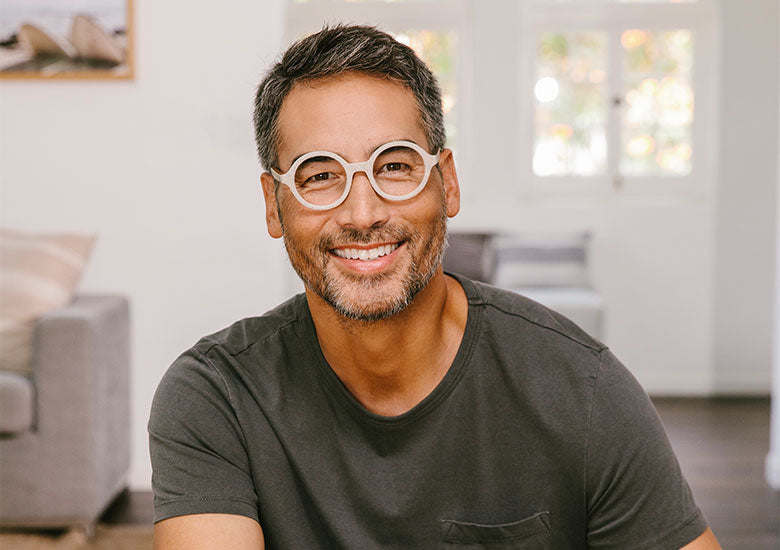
[353,168]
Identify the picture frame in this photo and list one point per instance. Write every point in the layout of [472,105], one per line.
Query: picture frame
[67,39]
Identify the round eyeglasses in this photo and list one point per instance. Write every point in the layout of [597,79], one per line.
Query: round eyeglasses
[321,180]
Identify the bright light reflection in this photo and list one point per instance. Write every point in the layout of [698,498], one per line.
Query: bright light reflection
[403,39]
[562,131]
[546,89]
[447,102]
[640,146]
[676,158]
[674,93]
[633,38]
[648,86]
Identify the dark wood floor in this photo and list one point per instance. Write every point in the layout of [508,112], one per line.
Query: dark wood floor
[721,444]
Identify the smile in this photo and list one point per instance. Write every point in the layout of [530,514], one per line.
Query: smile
[365,254]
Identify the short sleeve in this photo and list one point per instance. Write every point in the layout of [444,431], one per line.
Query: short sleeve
[199,459]
[636,494]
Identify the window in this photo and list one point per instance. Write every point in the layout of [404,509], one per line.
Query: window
[657,100]
[614,93]
[571,104]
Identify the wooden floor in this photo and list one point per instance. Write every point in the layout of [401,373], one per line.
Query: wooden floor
[722,446]
[721,443]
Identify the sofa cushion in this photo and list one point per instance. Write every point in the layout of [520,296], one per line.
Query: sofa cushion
[16,403]
[540,260]
[38,273]
[469,254]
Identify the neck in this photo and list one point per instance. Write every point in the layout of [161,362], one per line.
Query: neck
[393,364]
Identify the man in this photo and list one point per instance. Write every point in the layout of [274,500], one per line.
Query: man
[393,405]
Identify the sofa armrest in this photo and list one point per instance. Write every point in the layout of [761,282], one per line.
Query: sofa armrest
[82,376]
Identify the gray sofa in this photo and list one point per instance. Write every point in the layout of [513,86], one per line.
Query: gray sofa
[549,269]
[65,444]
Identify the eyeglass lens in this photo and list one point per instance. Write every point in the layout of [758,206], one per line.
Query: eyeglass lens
[397,171]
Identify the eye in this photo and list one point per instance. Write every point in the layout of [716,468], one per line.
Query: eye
[322,176]
[393,167]
[319,180]
[319,173]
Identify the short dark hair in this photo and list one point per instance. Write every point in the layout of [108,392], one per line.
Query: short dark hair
[338,50]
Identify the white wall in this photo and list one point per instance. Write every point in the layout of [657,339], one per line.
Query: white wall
[163,169]
[773,457]
[748,184]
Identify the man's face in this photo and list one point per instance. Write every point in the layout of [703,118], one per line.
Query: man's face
[398,244]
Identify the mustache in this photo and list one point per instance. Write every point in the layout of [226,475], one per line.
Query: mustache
[367,236]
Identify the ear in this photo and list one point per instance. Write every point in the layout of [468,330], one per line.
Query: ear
[271,210]
[450,182]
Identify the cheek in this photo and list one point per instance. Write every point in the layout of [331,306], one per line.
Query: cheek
[433,207]
[303,229]
[288,206]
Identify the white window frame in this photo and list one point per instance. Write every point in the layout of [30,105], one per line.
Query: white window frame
[613,17]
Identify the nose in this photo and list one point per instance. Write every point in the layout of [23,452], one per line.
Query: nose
[363,208]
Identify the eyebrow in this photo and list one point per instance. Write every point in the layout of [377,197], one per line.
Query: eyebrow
[368,155]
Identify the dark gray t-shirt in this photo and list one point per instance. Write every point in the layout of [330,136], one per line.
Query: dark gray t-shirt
[537,437]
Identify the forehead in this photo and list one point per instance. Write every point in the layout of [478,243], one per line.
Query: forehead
[350,115]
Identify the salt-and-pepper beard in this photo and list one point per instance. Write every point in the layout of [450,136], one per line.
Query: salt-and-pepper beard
[425,253]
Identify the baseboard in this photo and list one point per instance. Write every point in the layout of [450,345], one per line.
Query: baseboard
[679,384]
[745,382]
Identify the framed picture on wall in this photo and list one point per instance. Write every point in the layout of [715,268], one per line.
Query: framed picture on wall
[53,39]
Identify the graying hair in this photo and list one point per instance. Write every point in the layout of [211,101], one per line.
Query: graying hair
[338,50]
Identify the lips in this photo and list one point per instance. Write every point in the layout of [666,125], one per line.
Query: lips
[365,254]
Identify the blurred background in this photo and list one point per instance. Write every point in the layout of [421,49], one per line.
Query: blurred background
[652,126]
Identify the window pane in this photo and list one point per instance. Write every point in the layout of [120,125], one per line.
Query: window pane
[656,121]
[438,50]
[571,104]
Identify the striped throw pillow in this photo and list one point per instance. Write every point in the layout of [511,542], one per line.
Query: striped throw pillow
[38,273]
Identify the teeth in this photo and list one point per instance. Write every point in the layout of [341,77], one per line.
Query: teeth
[365,254]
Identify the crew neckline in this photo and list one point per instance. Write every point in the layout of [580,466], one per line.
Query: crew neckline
[431,401]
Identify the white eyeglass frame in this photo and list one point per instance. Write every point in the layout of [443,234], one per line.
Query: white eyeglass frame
[351,168]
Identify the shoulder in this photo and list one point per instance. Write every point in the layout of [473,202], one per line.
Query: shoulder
[536,352]
[215,365]
[505,308]
[252,331]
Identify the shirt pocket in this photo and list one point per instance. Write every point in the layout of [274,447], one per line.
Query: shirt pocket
[531,533]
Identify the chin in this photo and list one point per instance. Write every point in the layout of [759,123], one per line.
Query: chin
[373,298]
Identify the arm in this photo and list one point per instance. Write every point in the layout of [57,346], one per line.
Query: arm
[637,494]
[208,532]
[706,541]
[204,494]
